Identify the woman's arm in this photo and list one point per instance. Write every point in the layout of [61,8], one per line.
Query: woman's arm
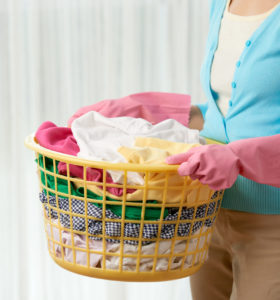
[259,158]
[196,118]
[218,166]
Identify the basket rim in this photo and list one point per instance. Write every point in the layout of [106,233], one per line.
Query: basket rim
[30,143]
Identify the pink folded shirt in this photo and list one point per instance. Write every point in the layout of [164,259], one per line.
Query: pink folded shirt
[154,107]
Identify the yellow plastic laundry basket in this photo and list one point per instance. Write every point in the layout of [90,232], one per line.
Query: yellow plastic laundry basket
[94,242]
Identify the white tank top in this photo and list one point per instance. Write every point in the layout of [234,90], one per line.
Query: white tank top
[235,30]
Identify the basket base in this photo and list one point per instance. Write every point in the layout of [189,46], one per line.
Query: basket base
[116,275]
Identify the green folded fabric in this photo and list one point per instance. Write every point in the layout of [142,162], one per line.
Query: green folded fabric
[131,212]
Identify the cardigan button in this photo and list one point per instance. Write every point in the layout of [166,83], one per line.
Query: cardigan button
[233,84]
[238,64]
[230,103]
[248,43]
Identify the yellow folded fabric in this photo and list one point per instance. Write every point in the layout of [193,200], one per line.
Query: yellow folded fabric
[154,151]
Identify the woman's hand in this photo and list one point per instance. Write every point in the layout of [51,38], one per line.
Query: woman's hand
[257,159]
[215,165]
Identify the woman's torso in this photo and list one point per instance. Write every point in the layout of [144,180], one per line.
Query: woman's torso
[235,30]
[254,94]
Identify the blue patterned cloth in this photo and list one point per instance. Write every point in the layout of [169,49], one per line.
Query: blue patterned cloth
[113,228]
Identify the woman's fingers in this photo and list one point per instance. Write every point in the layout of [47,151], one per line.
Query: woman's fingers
[178,158]
[188,169]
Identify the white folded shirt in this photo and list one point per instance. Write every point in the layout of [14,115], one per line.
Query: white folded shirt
[99,138]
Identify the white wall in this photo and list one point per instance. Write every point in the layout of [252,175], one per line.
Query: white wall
[59,55]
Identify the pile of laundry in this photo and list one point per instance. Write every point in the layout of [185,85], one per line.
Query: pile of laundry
[142,129]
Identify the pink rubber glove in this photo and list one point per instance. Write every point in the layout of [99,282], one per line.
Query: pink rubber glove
[215,165]
[218,166]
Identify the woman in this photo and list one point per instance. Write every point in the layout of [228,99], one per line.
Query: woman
[241,78]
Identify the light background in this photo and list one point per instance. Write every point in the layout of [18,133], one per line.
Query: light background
[59,55]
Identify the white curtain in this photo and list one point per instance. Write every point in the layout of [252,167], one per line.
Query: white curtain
[59,55]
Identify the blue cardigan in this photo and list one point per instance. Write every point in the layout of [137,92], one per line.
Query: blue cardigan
[254,107]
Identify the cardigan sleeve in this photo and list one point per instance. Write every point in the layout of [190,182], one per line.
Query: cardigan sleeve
[259,158]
